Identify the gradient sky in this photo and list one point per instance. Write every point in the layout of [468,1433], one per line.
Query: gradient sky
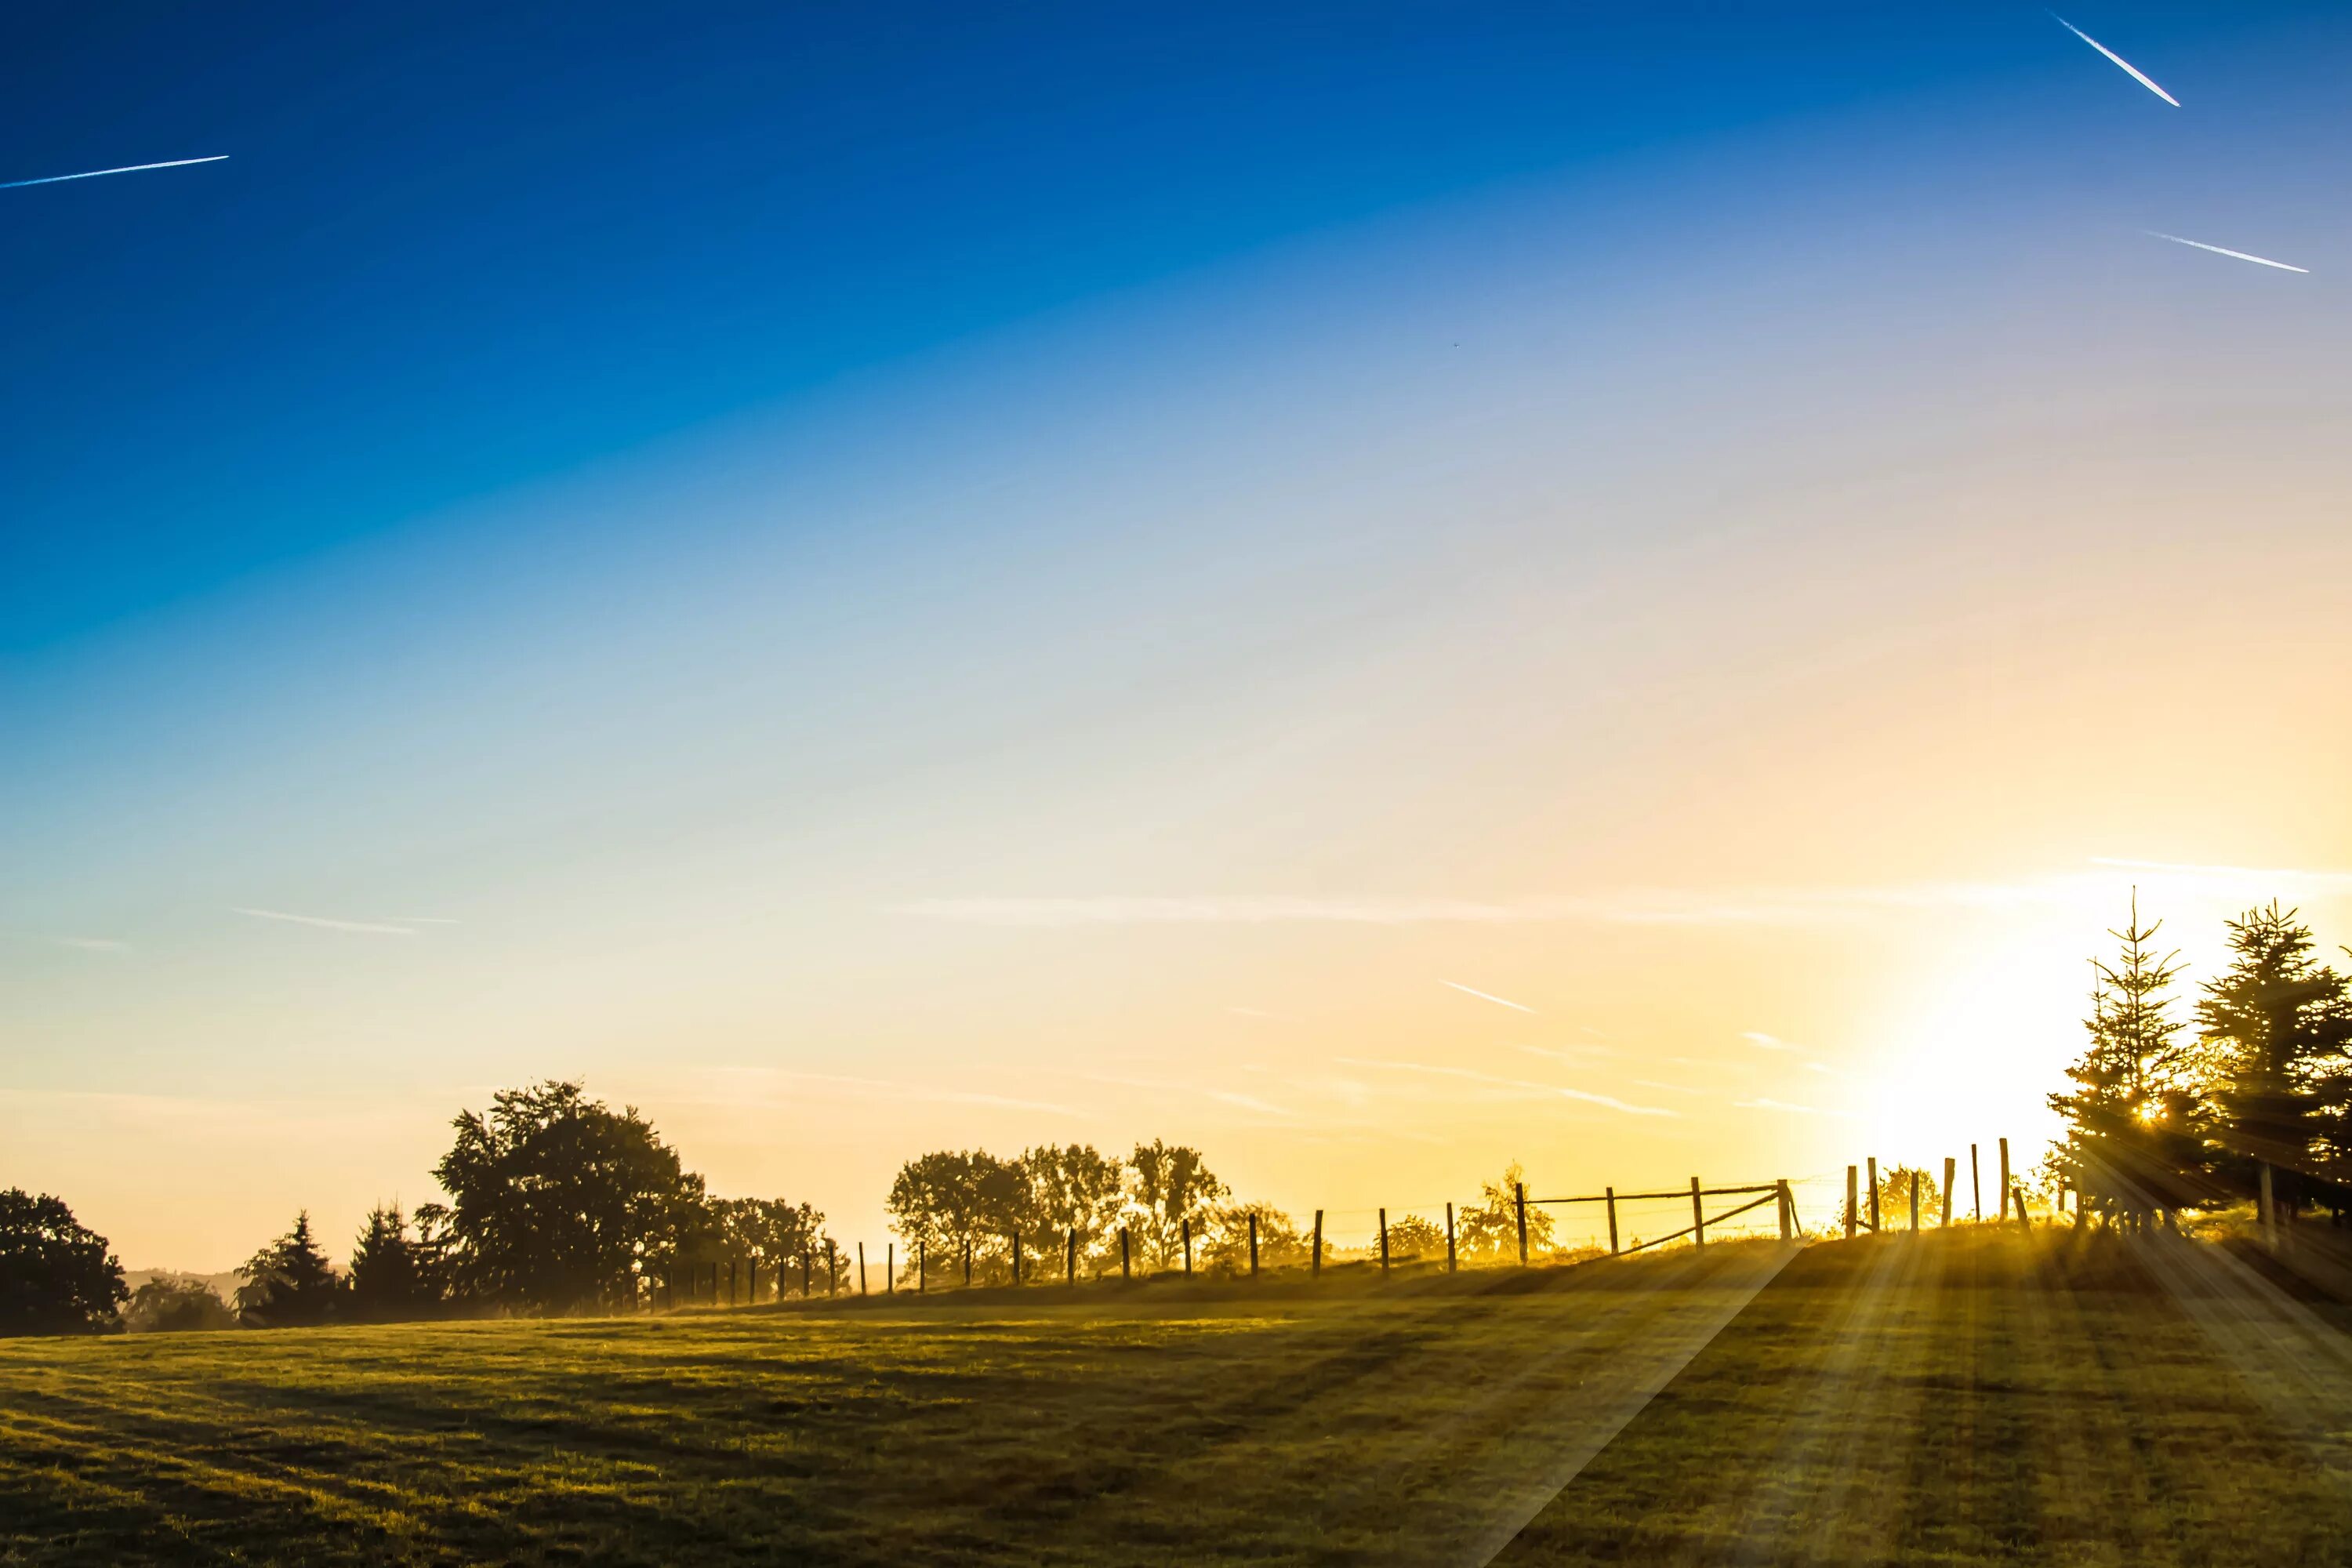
[869,579]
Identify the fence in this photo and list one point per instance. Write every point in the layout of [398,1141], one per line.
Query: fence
[1533,1230]
[1866,1203]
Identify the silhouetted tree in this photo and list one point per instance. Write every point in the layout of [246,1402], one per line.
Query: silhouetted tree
[392,1277]
[557,1203]
[1168,1184]
[1895,1199]
[1279,1243]
[289,1283]
[951,1199]
[2134,1118]
[769,1231]
[177,1304]
[56,1277]
[1072,1188]
[1411,1236]
[2276,1027]
[1490,1227]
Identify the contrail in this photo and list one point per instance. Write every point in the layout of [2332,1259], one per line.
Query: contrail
[2223,250]
[321,921]
[1484,997]
[126,169]
[2137,74]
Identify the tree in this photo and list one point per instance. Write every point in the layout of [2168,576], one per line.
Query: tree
[1167,1185]
[177,1304]
[558,1202]
[2133,1117]
[289,1283]
[56,1277]
[1279,1244]
[1894,1198]
[1072,1188]
[2274,1026]
[769,1231]
[1412,1237]
[953,1199]
[1490,1227]
[392,1276]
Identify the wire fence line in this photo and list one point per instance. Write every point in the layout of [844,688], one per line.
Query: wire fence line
[1420,1239]
[1412,1239]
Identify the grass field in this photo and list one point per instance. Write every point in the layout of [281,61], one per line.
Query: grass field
[1962,1399]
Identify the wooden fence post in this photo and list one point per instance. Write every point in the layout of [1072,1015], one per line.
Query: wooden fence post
[1874,1194]
[1315,1269]
[1070,1267]
[1188,1246]
[1252,1244]
[1451,1266]
[1126,1269]
[1610,1198]
[1385,1241]
[922,1268]
[730,1281]
[2266,1207]
[1788,1212]
[751,1291]
[831,1269]
[889,1268]
[1851,1196]
[2023,1222]
[807,1269]
[1016,1256]
[1975,1188]
[1519,1198]
[1949,1175]
[1698,1216]
[861,1268]
[2005,1183]
[1914,1202]
[967,1263]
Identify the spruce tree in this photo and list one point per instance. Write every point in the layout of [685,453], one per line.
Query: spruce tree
[289,1282]
[2133,1120]
[389,1279]
[2276,1027]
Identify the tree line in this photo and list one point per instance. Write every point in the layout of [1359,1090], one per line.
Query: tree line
[2253,1089]
[556,1203]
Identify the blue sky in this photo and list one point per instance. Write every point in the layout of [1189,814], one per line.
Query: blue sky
[683,519]
[453,252]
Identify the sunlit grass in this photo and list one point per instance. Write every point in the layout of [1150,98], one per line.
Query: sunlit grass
[1949,1399]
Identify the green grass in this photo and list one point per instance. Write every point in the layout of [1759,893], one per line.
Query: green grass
[1952,1400]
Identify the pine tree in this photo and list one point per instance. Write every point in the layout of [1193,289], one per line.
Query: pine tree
[289,1282]
[2275,1027]
[2133,1120]
[389,1278]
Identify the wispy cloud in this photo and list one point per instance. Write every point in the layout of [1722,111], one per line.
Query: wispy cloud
[2130,69]
[1638,906]
[1764,1042]
[1528,1085]
[1487,996]
[375,928]
[2250,875]
[125,169]
[1249,1102]
[2225,250]
[879,1088]
[1783,1105]
[1568,1053]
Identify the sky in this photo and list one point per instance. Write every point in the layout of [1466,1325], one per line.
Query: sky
[1380,590]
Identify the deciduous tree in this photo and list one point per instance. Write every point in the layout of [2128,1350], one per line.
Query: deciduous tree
[56,1277]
